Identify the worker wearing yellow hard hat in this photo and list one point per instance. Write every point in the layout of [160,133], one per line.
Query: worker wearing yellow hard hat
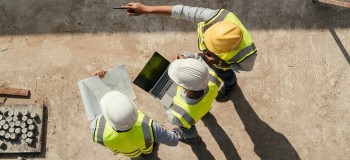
[225,42]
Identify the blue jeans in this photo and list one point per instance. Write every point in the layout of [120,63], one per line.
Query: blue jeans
[189,133]
[228,76]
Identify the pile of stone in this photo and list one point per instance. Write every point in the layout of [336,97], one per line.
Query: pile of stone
[17,126]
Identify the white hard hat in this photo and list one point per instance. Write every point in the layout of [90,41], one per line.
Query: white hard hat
[119,111]
[189,73]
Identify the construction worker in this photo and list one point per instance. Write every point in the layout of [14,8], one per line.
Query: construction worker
[197,88]
[225,42]
[124,129]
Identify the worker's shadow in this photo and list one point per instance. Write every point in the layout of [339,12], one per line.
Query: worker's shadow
[269,144]
[221,138]
[201,151]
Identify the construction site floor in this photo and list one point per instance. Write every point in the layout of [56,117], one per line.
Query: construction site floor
[293,105]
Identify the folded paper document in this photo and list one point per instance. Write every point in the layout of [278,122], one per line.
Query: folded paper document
[93,89]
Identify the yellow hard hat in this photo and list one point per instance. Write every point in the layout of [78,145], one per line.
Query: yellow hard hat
[222,37]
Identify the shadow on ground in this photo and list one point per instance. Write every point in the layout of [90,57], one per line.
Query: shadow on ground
[221,138]
[92,16]
[340,45]
[201,151]
[269,144]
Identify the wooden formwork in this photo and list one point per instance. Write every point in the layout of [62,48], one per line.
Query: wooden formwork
[333,2]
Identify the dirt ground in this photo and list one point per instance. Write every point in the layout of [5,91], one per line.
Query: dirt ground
[293,105]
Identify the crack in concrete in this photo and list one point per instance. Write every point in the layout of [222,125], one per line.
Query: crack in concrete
[3,102]
[4,50]
[3,9]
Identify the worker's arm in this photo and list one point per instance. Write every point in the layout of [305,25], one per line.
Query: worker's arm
[186,55]
[193,14]
[189,55]
[135,9]
[198,56]
[164,136]
[210,58]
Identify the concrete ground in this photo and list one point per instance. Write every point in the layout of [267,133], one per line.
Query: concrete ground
[293,105]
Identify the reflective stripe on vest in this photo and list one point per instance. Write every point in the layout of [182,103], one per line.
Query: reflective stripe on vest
[146,131]
[242,53]
[188,114]
[217,18]
[214,79]
[147,136]
[140,136]
[100,130]
[183,113]
[245,48]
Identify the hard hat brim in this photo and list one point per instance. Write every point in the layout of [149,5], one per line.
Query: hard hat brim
[172,71]
[208,44]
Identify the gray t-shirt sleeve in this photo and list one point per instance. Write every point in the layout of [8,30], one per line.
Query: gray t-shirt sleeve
[164,136]
[193,14]
[195,56]
[190,55]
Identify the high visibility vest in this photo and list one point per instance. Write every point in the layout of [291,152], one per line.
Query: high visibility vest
[191,114]
[245,48]
[132,143]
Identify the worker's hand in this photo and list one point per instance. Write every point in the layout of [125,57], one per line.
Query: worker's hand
[100,73]
[135,9]
[212,60]
[206,59]
[179,56]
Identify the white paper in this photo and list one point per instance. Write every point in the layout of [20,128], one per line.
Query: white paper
[93,89]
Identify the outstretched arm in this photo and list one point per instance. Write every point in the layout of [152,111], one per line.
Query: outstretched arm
[193,14]
[135,9]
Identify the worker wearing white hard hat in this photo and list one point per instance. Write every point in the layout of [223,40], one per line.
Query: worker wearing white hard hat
[226,44]
[124,129]
[197,88]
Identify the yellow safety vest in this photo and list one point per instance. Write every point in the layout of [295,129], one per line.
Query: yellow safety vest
[245,48]
[131,143]
[191,114]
